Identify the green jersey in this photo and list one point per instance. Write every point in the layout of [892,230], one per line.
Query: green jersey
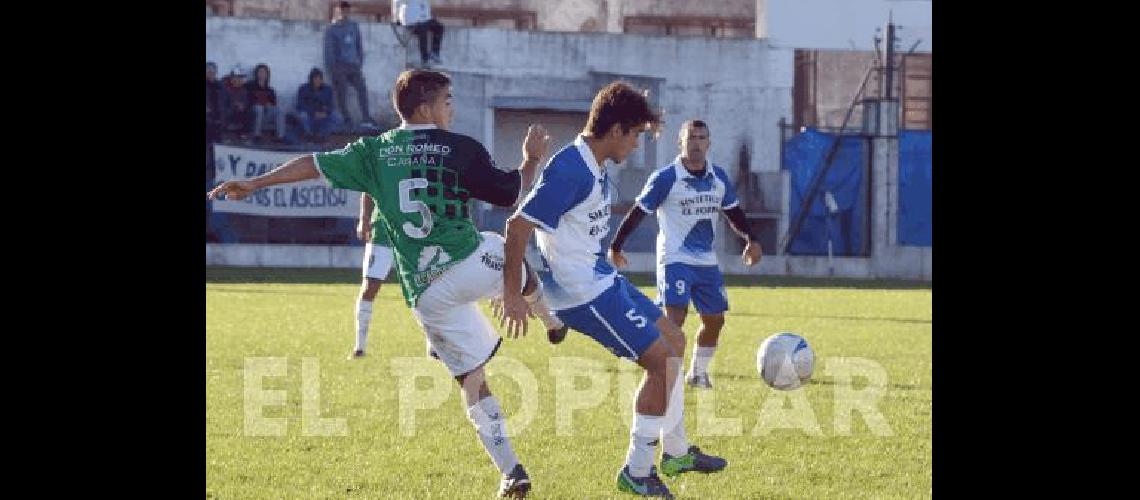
[420,179]
[379,237]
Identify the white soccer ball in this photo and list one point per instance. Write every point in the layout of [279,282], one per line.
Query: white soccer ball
[785,361]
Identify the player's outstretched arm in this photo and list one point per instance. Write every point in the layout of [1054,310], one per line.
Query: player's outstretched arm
[515,308]
[301,168]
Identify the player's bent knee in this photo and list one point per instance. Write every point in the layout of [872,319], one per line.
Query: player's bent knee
[669,329]
[676,315]
[678,343]
[370,288]
[655,359]
[473,384]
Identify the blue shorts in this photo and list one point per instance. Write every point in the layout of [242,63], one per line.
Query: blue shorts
[621,318]
[704,284]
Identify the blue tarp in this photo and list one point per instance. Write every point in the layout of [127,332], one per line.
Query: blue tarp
[846,180]
[915,187]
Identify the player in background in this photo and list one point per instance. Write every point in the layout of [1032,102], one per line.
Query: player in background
[377,264]
[687,195]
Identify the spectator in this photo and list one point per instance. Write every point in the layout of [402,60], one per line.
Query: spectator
[235,105]
[416,15]
[315,107]
[263,102]
[344,58]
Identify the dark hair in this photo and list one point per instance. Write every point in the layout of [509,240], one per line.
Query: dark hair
[316,72]
[415,87]
[254,81]
[619,104]
[345,5]
[695,123]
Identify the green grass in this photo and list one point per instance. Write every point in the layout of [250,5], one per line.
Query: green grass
[298,314]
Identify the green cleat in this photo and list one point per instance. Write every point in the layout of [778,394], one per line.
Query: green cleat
[694,460]
[649,486]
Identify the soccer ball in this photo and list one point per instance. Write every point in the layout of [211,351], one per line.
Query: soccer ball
[785,361]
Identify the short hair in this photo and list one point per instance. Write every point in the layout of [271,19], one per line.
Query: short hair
[619,104]
[693,123]
[344,5]
[415,87]
[316,72]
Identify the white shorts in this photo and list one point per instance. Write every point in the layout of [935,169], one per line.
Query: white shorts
[448,311]
[377,261]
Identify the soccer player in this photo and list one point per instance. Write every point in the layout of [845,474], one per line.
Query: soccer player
[421,176]
[377,264]
[687,196]
[570,206]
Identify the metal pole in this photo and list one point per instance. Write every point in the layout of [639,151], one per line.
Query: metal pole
[818,180]
[889,90]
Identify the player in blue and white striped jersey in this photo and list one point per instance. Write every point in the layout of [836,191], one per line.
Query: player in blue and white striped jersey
[687,196]
[570,206]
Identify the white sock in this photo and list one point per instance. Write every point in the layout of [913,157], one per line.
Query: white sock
[643,443]
[702,356]
[492,430]
[674,440]
[363,317]
[540,309]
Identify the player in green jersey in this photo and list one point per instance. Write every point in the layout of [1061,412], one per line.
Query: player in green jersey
[377,264]
[421,176]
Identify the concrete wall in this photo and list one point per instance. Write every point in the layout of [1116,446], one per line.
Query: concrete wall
[245,255]
[292,48]
[837,79]
[741,87]
[563,15]
[917,264]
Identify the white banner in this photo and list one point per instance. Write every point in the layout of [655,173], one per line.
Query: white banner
[313,198]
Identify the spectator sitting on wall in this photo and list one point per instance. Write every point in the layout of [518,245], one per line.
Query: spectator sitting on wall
[235,105]
[416,15]
[344,60]
[263,102]
[315,107]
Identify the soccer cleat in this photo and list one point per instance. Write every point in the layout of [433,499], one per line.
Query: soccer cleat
[557,335]
[700,380]
[359,353]
[516,484]
[648,486]
[694,460]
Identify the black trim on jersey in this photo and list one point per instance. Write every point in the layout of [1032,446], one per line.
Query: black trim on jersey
[736,219]
[485,182]
[462,376]
[628,224]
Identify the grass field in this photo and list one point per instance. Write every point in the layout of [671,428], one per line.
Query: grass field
[303,319]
